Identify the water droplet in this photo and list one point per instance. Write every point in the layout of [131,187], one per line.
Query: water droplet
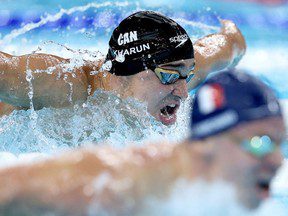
[107,65]
[94,72]
[120,58]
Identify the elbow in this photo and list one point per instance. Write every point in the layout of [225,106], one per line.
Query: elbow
[234,37]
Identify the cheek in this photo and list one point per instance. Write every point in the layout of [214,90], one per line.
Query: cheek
[239,164]
[156,92]
[145,91]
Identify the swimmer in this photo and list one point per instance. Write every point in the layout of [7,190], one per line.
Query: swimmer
[150,58]
[242,146]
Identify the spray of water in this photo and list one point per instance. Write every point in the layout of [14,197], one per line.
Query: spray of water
[118,4]
[54,17]
[199,25]
[104,117]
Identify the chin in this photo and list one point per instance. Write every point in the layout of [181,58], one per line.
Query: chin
[251,198]
[252,204]
[168,120]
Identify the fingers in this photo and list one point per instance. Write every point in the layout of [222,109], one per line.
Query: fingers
[230,30]
[229,27]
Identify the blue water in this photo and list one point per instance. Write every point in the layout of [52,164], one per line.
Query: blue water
[265,29]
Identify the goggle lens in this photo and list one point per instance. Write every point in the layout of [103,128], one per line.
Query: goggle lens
[261,146]
[189,77]
[168,77]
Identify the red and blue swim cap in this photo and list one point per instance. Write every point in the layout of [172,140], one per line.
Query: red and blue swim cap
[228,99]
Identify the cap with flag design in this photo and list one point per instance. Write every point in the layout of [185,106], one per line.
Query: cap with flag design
[228,99]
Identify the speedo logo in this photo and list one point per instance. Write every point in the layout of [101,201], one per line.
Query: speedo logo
[127,37]
[181,39]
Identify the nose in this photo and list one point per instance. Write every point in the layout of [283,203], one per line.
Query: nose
[180,89]
[274,159]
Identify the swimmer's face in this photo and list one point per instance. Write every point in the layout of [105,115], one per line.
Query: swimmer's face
[252,175]
[162,100]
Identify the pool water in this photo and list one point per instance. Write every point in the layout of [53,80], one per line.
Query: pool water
[81,30]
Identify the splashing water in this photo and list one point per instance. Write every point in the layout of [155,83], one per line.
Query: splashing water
[206,29]
[198,28]
[104,117]
[36,131]
[52,18]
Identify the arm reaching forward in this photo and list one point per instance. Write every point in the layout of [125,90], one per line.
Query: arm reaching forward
[216,52]
[53,81]
[101,177]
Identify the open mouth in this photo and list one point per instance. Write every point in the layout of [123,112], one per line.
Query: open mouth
[168,113]
[169,110]
[263,185]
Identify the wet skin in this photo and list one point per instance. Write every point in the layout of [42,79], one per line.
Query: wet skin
[146,87]
[212,53]
[250,174]
[140,172]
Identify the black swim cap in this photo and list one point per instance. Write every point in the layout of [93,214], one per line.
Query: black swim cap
[144,40]
[228,99]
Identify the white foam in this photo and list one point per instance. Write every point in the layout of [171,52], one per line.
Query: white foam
[279,184]
[199,25]
[7,159]
[54,17]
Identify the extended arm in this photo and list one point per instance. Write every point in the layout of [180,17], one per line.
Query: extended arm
[53,81]
[101,178]
[216,52]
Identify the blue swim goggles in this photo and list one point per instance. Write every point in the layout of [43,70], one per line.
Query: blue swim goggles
[170,76]
[260,146]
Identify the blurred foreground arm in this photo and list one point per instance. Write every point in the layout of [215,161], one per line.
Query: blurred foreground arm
[98,178]
[216,52]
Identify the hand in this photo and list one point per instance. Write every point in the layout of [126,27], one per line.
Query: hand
[236,38]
